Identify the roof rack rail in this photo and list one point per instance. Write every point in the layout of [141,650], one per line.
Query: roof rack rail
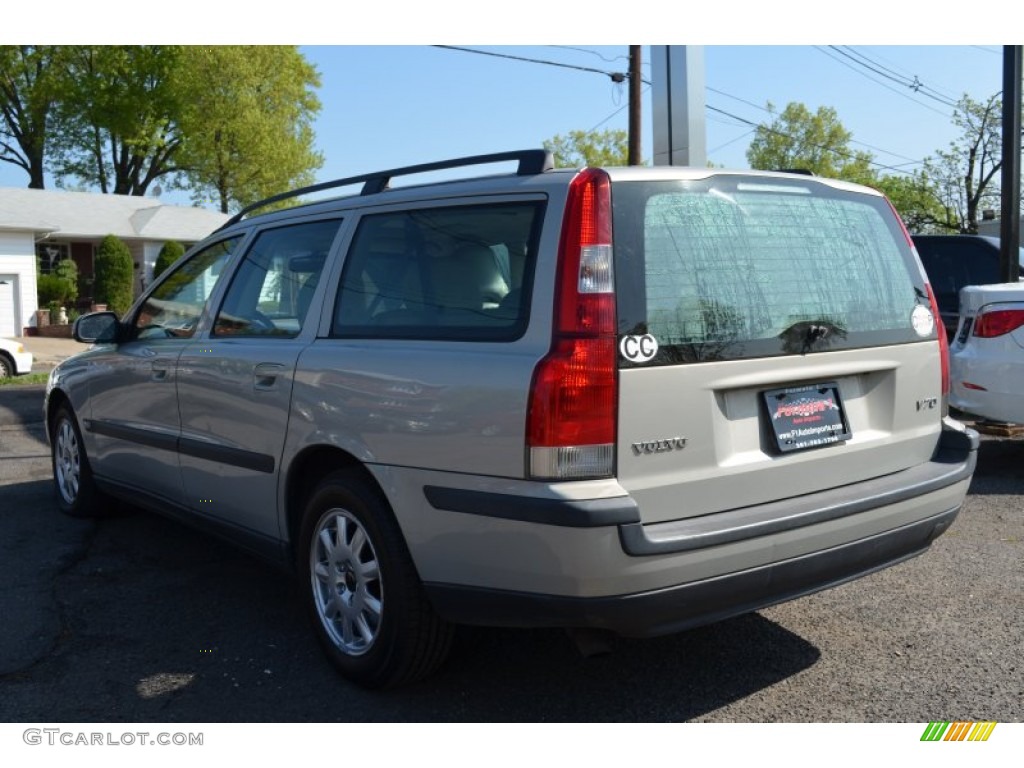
[531,162]
[797,171]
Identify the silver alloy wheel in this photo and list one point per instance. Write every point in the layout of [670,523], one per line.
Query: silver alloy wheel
[345,577]
[67,461]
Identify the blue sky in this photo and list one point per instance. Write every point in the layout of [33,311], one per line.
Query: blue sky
[391,105]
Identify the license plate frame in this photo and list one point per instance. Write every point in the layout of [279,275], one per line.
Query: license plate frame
[807,416]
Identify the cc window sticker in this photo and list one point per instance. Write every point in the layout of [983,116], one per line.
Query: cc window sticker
[638,349]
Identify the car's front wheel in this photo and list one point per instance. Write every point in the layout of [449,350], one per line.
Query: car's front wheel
[362,591]
[76,492]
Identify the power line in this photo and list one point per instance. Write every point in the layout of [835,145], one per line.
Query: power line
[833,150]
[915,81]
[592,52]
[731,141]
[616,77]
[877,82]
[914,84]
[613,114]
[774,113]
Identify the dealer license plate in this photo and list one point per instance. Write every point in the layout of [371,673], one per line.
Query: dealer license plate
[807,416]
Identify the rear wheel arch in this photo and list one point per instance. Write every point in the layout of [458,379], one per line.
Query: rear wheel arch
[305,473]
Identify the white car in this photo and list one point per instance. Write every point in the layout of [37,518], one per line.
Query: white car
[987,354]
[14,360]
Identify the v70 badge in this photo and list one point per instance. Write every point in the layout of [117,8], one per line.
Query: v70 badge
[659,446]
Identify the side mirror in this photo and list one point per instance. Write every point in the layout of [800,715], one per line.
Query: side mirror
[96,328]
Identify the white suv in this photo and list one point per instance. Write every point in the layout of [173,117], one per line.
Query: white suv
[632,399]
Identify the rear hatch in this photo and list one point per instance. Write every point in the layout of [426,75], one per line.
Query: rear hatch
[776,338]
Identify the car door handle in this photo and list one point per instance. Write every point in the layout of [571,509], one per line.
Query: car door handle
[160,369]
[265,375]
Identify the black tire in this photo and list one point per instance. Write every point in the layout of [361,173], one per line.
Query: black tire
[77,495]
[365,600]
[6,366]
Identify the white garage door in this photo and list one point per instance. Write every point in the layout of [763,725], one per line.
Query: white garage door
[8,316]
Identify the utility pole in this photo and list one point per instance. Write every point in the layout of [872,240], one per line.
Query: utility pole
[635,60]
[1009,225]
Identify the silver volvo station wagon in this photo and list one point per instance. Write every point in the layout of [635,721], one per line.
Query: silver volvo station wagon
[625,399]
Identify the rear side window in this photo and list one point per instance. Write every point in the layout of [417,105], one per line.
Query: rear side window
[455,273]
[271,292]
[730,268]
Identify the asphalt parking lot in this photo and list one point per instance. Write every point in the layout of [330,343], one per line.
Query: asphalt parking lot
[136,618]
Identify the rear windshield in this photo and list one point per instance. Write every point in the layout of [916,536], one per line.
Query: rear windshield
[736,267]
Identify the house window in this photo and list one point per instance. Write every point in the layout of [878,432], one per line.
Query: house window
[50,254]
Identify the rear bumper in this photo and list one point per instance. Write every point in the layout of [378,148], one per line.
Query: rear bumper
[613,573]
[953,463]
[677,608]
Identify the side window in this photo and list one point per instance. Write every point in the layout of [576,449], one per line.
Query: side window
[173,309]
[271,292]
[455,273]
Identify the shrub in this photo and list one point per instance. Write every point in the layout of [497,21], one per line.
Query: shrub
[67,271]
[50,288]
[170,253]
[114,275]
[59,286]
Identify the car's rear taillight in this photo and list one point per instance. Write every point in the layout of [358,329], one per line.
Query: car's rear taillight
[939,326]
[998,322]
[943,342]
[570,430]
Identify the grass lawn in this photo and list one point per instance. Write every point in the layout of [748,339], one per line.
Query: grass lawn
[29,378]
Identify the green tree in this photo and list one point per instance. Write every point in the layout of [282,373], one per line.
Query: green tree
[247,125]
[233,123]
[118,117]
[30,86]
[114,275]
[590,148]
[817,142]
[967,173]
[171,251]
[916,199]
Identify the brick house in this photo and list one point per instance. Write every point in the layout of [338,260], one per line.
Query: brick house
[52,226]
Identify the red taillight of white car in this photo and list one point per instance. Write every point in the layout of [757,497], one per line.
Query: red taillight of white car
[999,322]
[571,423]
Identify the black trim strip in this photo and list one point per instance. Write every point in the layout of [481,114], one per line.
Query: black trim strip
[187,446]
[161,440]
[223,454]
[673,609]
[587,513]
